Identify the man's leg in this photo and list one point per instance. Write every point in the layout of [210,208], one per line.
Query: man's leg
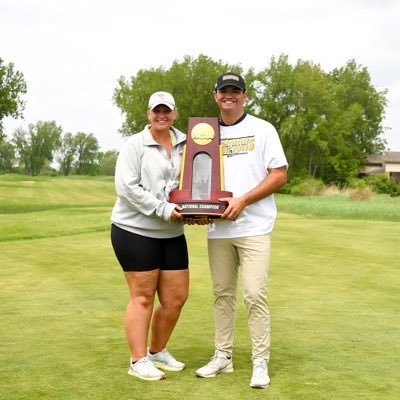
[224,273]
[254,254]
[223,261]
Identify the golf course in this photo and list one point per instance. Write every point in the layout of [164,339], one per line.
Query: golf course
[333,291]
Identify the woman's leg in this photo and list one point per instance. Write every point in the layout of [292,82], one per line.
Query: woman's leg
[172,290]
[142,287]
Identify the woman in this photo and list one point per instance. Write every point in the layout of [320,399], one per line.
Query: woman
[148,239]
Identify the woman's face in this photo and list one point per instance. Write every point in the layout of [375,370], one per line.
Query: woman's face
[161,117]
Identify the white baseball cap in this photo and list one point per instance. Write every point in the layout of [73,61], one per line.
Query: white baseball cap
[158,98]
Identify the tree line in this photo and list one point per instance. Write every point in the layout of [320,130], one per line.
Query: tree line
[328,121]
[44,149]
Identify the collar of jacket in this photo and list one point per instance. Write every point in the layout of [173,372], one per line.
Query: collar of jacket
[180,137]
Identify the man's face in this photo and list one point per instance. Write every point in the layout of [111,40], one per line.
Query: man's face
[230,98]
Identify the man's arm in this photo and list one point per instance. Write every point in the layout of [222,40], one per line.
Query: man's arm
[273,182]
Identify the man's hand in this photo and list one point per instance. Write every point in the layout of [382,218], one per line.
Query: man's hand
[235,207]
[275,179]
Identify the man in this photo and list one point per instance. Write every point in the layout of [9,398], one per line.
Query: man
[255,167]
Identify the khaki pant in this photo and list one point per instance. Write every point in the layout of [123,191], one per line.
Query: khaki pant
[252,255]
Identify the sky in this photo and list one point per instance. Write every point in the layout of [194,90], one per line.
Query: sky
[72,52]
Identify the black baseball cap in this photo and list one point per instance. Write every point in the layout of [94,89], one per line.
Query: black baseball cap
[230,79]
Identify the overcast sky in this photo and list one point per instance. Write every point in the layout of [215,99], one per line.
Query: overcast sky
[72,52]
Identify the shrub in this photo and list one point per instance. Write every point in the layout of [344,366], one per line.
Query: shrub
[361,193]
[382,184]
[356,183]
[332,190]
[308,186]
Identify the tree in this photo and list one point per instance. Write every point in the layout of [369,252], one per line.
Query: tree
[107,162]
[354,88]
[12,87]
[67,153]
[191,82]
[352,123]
[328,122]
[295,100]
[37,146]
[87,149]
[7,155]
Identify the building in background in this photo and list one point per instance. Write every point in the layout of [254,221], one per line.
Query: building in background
[387,163]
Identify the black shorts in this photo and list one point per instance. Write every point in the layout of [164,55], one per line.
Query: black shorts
[141,253]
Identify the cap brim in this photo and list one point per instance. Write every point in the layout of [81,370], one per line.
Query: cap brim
[230,84]
[169,105]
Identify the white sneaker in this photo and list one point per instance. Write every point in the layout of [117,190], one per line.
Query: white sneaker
[164,360]
[219,363]
[260,378]
[145,369]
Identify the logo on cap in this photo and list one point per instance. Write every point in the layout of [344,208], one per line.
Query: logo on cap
[161,98]
[234,77]
[230,78]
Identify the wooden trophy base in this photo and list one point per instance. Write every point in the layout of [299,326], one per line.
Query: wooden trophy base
[212,208]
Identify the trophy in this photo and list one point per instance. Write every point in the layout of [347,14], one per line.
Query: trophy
[202,173]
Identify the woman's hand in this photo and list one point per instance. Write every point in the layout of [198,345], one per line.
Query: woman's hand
[176,216]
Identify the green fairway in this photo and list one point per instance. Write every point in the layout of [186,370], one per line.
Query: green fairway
[333,290]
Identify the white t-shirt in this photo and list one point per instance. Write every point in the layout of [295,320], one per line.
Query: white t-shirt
[249,147]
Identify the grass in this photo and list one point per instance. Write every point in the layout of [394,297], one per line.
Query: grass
[378,208]
[333,290]
[23,194]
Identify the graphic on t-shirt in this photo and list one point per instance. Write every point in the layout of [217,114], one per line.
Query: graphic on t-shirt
[235,146]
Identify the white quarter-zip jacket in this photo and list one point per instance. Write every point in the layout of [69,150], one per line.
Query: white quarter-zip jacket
[144,176]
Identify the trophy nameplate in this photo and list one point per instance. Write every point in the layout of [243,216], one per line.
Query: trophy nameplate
[202,175]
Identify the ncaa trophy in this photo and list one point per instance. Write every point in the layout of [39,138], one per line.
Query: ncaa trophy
[202,173]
